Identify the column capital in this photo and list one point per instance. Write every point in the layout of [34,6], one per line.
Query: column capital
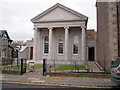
[83,26]
[37,29]
[50,28]
[66,27]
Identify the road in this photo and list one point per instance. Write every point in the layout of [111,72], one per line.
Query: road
[13,85]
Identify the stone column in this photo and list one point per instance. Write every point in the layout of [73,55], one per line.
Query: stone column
[50,42]
[66,42]
[36,45]
[83,45]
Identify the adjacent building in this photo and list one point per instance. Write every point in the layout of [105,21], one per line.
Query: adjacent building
[6,49]
[27,50]
[91,44]
[108,33]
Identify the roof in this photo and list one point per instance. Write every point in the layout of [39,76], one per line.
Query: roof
[4,31]
[61,6]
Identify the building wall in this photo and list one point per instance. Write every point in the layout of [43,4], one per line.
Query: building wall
[118,21]
[5,41]
[24,53]
[102,34]
[29,44]
[57,32]
[91,42]
[107,45]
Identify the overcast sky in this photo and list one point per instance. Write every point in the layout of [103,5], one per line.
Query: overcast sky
[15,15]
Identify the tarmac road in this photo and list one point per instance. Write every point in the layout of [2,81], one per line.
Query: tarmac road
[14,85]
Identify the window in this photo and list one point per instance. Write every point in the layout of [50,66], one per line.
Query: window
[75,45]
[60,45]
[46,44]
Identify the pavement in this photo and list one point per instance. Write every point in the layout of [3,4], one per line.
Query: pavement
[36,78]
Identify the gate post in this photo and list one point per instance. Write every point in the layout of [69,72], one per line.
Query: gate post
[44,66]
[21,72]
[25,65]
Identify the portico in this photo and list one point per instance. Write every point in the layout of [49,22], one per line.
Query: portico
[59,33]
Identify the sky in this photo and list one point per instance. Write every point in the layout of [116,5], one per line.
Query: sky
[16,15]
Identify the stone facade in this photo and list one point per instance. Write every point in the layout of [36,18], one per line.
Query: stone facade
[107,36]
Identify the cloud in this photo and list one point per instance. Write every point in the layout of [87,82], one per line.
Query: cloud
[16,14]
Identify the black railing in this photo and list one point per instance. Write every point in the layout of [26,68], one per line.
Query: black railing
[73,68]
[64,66]
[14,66]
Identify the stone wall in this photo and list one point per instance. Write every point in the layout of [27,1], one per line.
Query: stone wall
[107,36]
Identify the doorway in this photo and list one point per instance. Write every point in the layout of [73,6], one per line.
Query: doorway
[91,53]
[31,53]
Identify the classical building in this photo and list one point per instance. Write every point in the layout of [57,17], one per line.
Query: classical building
[108,36]
[5,45]
[59,34]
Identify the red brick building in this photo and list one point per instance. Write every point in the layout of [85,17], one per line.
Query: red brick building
[91,44]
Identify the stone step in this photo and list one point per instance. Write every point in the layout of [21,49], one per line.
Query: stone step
[93,67]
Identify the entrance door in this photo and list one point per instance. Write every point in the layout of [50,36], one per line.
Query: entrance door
[91,53]
[31,53]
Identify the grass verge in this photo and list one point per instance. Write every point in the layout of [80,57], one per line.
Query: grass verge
[70,67]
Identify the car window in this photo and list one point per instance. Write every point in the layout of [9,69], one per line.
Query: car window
[116,63]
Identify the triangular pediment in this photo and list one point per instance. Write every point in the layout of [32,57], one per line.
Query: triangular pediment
[59,13]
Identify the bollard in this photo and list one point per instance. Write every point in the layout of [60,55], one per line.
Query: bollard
[21,72]
[44,66]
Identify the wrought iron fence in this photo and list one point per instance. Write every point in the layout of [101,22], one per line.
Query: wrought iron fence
[65,66]
[72,68]
[14,66]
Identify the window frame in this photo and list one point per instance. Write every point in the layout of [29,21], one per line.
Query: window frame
[58,42]
[75,44]
[44,45]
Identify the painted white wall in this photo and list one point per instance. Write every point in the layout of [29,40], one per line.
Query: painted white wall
[63,15]
[24,53]
[57,32]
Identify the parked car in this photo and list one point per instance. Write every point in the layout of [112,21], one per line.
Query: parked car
[115,71]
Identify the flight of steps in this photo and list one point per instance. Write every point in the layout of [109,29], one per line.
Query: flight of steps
[93,66]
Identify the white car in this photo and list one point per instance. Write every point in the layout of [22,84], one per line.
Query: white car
[115,72]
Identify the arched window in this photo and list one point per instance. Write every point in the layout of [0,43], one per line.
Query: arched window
[46,44]
[60,45]
[75,45]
